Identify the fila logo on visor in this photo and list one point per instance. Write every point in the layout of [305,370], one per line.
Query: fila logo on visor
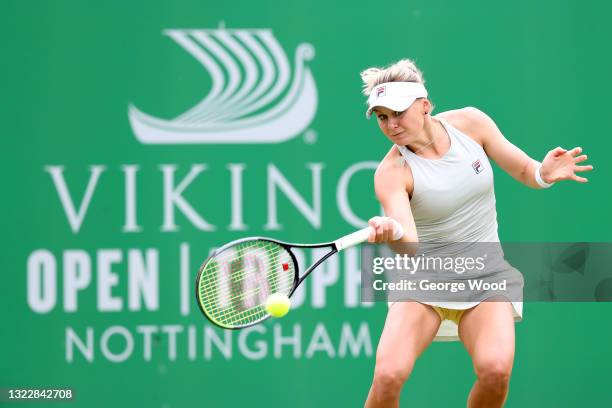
[381,91]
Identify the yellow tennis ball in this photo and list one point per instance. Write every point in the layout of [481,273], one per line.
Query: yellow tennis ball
[278,304]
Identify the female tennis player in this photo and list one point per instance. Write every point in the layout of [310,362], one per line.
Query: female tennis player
[437,183]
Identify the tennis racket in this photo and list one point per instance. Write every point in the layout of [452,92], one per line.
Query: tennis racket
[235,281]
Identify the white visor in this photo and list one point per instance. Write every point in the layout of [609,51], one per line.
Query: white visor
[397,96]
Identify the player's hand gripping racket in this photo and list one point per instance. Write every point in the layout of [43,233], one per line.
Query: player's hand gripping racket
[234,282]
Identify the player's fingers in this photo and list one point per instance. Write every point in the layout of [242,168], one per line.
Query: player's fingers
[374,220]
[583,168]
[580,159]
[575,151]
[557,151]
[373,223]
[374,233]
[380,232]
[579,179]
[388,231]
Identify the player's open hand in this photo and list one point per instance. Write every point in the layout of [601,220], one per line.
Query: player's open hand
[384,229]
[560,164]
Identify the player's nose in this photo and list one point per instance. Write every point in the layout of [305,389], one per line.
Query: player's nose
[393,123]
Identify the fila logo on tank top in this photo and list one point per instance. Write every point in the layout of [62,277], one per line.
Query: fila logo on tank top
[453,197]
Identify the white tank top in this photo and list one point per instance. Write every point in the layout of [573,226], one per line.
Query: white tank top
[453,198]
[453,201]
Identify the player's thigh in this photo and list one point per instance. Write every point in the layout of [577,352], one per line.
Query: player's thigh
[487,331]
[409,328]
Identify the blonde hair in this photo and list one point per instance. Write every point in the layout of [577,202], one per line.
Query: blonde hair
[402,71]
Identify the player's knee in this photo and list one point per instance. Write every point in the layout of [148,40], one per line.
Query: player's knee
[390,378]
[494,374]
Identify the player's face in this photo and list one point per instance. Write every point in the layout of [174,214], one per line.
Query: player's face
[401,127]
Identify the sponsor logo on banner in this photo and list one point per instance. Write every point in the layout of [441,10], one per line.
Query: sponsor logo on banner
[256,95]
[127,294]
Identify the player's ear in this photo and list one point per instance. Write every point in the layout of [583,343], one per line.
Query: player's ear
[427,106]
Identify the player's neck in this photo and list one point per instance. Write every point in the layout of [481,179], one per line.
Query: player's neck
[432,141]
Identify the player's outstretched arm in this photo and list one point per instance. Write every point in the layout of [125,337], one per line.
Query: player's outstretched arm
[558,164]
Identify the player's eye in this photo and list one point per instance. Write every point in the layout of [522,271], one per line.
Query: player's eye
[382,117]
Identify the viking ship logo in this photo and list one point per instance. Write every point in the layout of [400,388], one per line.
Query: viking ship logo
[255,96]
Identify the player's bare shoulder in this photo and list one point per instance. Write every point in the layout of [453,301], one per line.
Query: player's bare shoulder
[469,120]
[393,174]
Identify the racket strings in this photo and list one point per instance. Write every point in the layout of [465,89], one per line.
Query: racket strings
[244,274]
[236,294]
[235,283]
[239,304]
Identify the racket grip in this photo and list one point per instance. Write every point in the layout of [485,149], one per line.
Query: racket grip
[361,236]
[353,239]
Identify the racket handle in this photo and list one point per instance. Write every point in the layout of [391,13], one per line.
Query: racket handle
[361,236]
[353,239]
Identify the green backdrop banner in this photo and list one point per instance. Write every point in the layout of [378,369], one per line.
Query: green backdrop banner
[139,136]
